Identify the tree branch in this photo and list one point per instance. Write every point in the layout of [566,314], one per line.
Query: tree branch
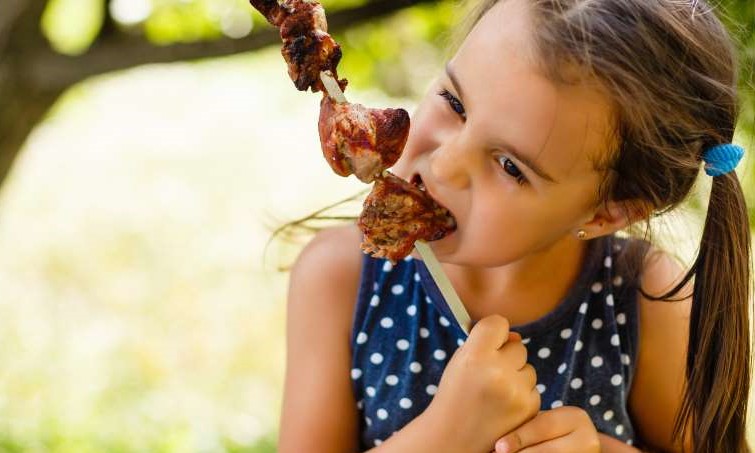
[114,52]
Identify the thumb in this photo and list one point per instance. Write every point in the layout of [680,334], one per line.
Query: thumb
[509,443]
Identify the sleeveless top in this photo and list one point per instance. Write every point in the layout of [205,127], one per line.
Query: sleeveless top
[584,350]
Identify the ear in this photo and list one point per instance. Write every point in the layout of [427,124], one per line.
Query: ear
[612,216]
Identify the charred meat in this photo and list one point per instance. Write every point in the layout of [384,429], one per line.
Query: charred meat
[396,214]
[307,46]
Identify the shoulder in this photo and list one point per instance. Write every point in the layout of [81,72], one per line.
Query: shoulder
[326,272]
[658,384]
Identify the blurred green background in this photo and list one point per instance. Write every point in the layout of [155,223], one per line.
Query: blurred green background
[148,148]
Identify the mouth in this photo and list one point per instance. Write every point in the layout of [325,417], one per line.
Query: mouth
[416,181]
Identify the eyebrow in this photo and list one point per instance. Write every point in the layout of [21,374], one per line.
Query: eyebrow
[521,157]
[454,81]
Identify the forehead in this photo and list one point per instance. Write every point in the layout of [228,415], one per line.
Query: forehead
[565,128]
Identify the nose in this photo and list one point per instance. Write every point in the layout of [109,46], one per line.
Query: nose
[450,165]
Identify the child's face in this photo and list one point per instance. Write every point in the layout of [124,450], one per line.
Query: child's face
[469,166]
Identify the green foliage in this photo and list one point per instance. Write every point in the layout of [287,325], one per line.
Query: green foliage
[72,25]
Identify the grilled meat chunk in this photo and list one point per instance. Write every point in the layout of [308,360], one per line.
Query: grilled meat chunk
[360,140]
[307,46]
[396,214]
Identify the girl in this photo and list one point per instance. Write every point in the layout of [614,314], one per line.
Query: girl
[556,124]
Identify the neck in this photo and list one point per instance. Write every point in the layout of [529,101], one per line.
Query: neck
[522,291]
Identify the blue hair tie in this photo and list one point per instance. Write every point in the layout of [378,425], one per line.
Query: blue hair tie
[722,159]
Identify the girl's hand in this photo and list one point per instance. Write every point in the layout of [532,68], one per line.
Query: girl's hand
[487,388]
[566,429]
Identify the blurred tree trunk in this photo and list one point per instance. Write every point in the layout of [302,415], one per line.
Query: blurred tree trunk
[33,75]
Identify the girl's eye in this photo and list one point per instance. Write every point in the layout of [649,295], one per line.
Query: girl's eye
[453,102]
[510,168]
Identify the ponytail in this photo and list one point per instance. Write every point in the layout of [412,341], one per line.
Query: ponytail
[718,369]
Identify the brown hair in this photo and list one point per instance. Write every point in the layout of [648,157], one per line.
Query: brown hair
[670,70]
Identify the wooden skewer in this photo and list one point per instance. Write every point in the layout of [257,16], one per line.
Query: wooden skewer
[444,285]
[436,271]
[334,90]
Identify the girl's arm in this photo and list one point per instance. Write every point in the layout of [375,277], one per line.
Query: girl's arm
[319,412]
[656,392]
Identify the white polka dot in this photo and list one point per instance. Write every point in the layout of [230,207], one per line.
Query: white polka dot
[382,414]
[619,429]
[387,267]
[540,388]
[595,400]
[617,247]
[415,367]
[609,300]
[596,361]
[608,415]
[370,390]
[423,332]
[566,333]
[378,442]
[397,289]
[391,379]
[597,323]
[356,373]
[386,323]
[625,359]
[615,339]
[543,353]
[597,287]
[427,299]
[439,354]
[583,307]
[444,322]
[459,342]
[557,403]
[561,368]
[376,358]
[408,258]
[375,300]
[368,421]
[411,310]
[617,281]
[361,338]
[607,262]
[578,345]
[431,389]
[374,286]
[576,383]
[616,379]
[621,318]
[405,403]
[360,404]
[630,442]
[402,344]
[525,340]
[416,277]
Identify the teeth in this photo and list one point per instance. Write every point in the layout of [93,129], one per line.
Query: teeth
[421,187]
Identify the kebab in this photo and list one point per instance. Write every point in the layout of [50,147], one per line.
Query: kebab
[356,139]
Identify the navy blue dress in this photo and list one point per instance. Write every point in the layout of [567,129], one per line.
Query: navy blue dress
[584,350]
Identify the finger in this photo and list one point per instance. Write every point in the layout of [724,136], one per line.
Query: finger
[530,375]
[547,425]
[515,354]
[491,332]
[515,336]
[563,444]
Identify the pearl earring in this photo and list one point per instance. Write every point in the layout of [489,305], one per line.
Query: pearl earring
[581,234]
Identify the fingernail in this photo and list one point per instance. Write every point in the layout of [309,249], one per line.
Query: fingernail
[501,447]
